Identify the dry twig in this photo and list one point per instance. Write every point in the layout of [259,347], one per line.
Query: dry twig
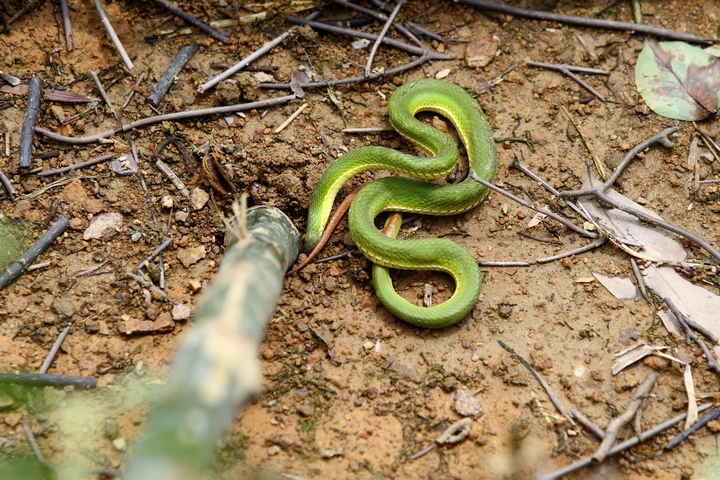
[553,398]
[589,22]
[379,39]
[618,422]
[621,447]
[113,36]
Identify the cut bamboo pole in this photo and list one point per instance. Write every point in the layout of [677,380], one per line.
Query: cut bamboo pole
[216,368]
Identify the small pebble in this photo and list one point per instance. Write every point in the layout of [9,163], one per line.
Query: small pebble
[119,444]
[274,450]
[181,312]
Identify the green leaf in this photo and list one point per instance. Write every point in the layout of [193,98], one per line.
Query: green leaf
[678,80]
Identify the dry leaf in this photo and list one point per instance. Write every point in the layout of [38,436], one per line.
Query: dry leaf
[693,301]
[692,414]
[621,287]
[653,242]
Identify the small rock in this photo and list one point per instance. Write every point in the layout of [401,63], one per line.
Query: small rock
[93,205]
[6,401]
[195,285]
[166,202]
[306,410]
[339,381]
[541,361]
[335,452]
[64,306]
[92,326]
[368,345]
[330,284]
[198,198]
[181,312]
[190,256]
[77,223]
[274,450]
[103,225]
[450,384]
[456,432]
[119,444]
[74,193]
[480,52]
[656,363]
[301,327]
[111,429]
[12,419]
[23,206]
[405,372]
[466,405]
[268,354]
[131,326]
[505,310]
[181,216]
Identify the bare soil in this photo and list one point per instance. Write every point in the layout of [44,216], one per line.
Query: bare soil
[393,392]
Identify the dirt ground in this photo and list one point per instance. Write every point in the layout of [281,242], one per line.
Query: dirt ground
[394,389]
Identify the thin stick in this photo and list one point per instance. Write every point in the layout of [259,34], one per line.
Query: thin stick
[682,319]
[599,242]
[567,72]
[422,452]
[620,447]
[504,264]
[35,448]
[104,96]
[22,11]
[193,21]
[369,36]
[398,27]
[329,228]
[290,119]
[178,63]
[251,58]
[522,202]
[164,118]
[6,183]
[132,92]
[152,287]
[77,166]
[650,219]
[155,253]
[589,22]
[47,380]
[53,351]
[617,423]
[585,422]
[518,164]
[379,39]
[640,280]
[367,129]
[344,81]
[174,179]
[661,137]
[67,25]
[553,398]
[27,258]
[598,192]
[598,164]
[707,418]
[113,36]
[28,126]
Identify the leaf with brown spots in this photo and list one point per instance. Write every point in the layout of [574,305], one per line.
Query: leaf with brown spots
[678,80]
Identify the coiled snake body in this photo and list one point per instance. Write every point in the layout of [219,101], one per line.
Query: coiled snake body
[413,195]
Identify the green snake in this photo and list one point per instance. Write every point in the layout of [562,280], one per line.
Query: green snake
[412,195]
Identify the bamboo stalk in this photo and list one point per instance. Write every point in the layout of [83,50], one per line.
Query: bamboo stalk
[216,368]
